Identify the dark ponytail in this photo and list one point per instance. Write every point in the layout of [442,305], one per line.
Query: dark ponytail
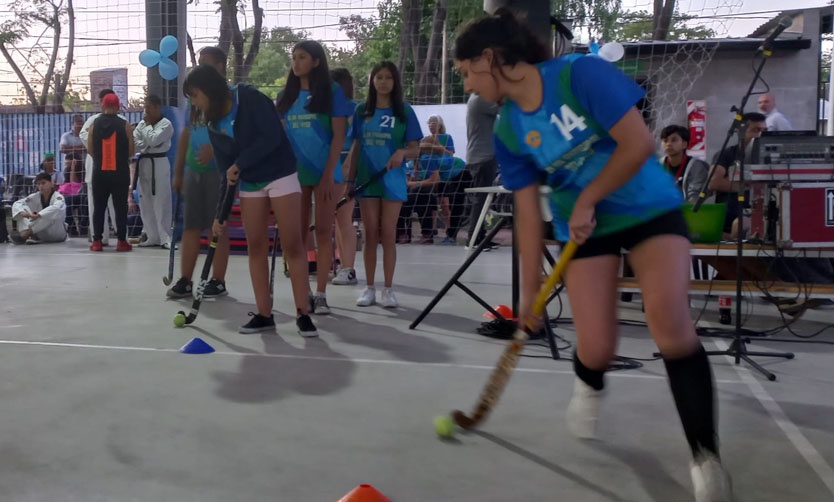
[507,35]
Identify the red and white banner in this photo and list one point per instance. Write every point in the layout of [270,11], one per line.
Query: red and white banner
[696,116]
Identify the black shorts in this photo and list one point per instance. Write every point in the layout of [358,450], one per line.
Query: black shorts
[671,223]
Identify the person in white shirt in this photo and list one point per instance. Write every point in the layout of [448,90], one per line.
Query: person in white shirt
[153,140]
[71,140]
[41,216]
[88,173]
[775,120]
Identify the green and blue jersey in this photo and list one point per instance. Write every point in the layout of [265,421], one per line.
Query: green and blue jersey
[311,134]
[379,137]
[565,143]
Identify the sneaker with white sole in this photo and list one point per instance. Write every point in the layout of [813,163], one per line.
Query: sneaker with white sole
[367,298]
[345,277]
[215,288]
[710,480]
[320,306]
[305,325]
[181,289]
[583,411]
[389,299]
[257,324]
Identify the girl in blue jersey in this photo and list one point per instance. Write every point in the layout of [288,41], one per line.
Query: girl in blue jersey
[250,145]
[385,132]
[571,122]
[314,112]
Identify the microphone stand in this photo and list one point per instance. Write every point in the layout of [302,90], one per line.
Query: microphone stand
[738,349]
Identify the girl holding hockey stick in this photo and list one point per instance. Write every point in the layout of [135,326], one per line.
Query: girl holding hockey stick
[572,123]
[250,144]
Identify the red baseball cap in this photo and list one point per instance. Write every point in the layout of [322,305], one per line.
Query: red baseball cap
[110,101]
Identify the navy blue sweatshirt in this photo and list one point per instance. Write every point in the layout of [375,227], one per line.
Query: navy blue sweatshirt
[260,147]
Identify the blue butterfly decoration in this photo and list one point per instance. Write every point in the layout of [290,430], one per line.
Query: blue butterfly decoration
[168,68]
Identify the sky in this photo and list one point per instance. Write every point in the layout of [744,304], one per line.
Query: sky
[111,33]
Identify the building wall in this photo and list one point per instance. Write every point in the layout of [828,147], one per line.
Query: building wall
[792,77]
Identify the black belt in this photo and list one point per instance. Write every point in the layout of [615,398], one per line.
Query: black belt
[152,156]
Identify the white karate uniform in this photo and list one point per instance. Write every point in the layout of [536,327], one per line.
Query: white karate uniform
[88,179]
[51,226]
[155,179]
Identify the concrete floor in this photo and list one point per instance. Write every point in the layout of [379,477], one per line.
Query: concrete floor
[98,404]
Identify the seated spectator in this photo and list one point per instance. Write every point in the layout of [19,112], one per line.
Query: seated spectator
[75,195]
[40,216]
[437,152]
[48,166]
[689,173]
[421,200]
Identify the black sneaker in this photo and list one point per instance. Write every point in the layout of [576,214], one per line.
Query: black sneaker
[182,289]
[306,328]
[257,324]
[215,288]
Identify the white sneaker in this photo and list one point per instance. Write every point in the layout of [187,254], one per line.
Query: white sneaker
[320,306]
[389,299]
[367,298]
[345,277]
[710,480]
[583,411]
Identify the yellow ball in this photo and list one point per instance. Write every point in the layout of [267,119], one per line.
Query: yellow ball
[444,426]
[179,320]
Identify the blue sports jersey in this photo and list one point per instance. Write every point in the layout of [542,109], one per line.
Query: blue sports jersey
[565,143]
[311,134]
[379,137]
[349,131]
[199,137]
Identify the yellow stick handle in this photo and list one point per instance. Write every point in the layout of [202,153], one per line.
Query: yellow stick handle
[554,278]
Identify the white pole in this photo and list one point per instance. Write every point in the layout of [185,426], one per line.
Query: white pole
[829,122]
[443,65]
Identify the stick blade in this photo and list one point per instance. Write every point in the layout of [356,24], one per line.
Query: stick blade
[463,420]
[166,280]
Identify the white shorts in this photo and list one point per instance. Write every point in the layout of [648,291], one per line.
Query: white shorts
[278,188]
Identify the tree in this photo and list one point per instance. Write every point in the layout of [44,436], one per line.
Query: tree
[640,25]
[410,33]
[599,17]
[662,19]
[269,71]
[51,16]
[244,43]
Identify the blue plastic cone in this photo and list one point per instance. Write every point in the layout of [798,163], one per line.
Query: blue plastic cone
[197,346]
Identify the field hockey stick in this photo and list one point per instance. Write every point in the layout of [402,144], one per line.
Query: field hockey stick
[222,216]
[361,188]
[509,358]
[171,252]
[274,254]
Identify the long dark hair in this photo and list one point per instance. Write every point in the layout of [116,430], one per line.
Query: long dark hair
[213,85]
[396,92]
[321,90]
[511,40]
[343,77]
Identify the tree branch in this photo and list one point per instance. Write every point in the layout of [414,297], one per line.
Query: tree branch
[255,46]
[61,90]
[30,93]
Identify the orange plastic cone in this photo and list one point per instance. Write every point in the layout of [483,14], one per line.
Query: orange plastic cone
[364,493]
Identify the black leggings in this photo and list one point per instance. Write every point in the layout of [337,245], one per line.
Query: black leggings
[421,201]
[455,190]
[106,185]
